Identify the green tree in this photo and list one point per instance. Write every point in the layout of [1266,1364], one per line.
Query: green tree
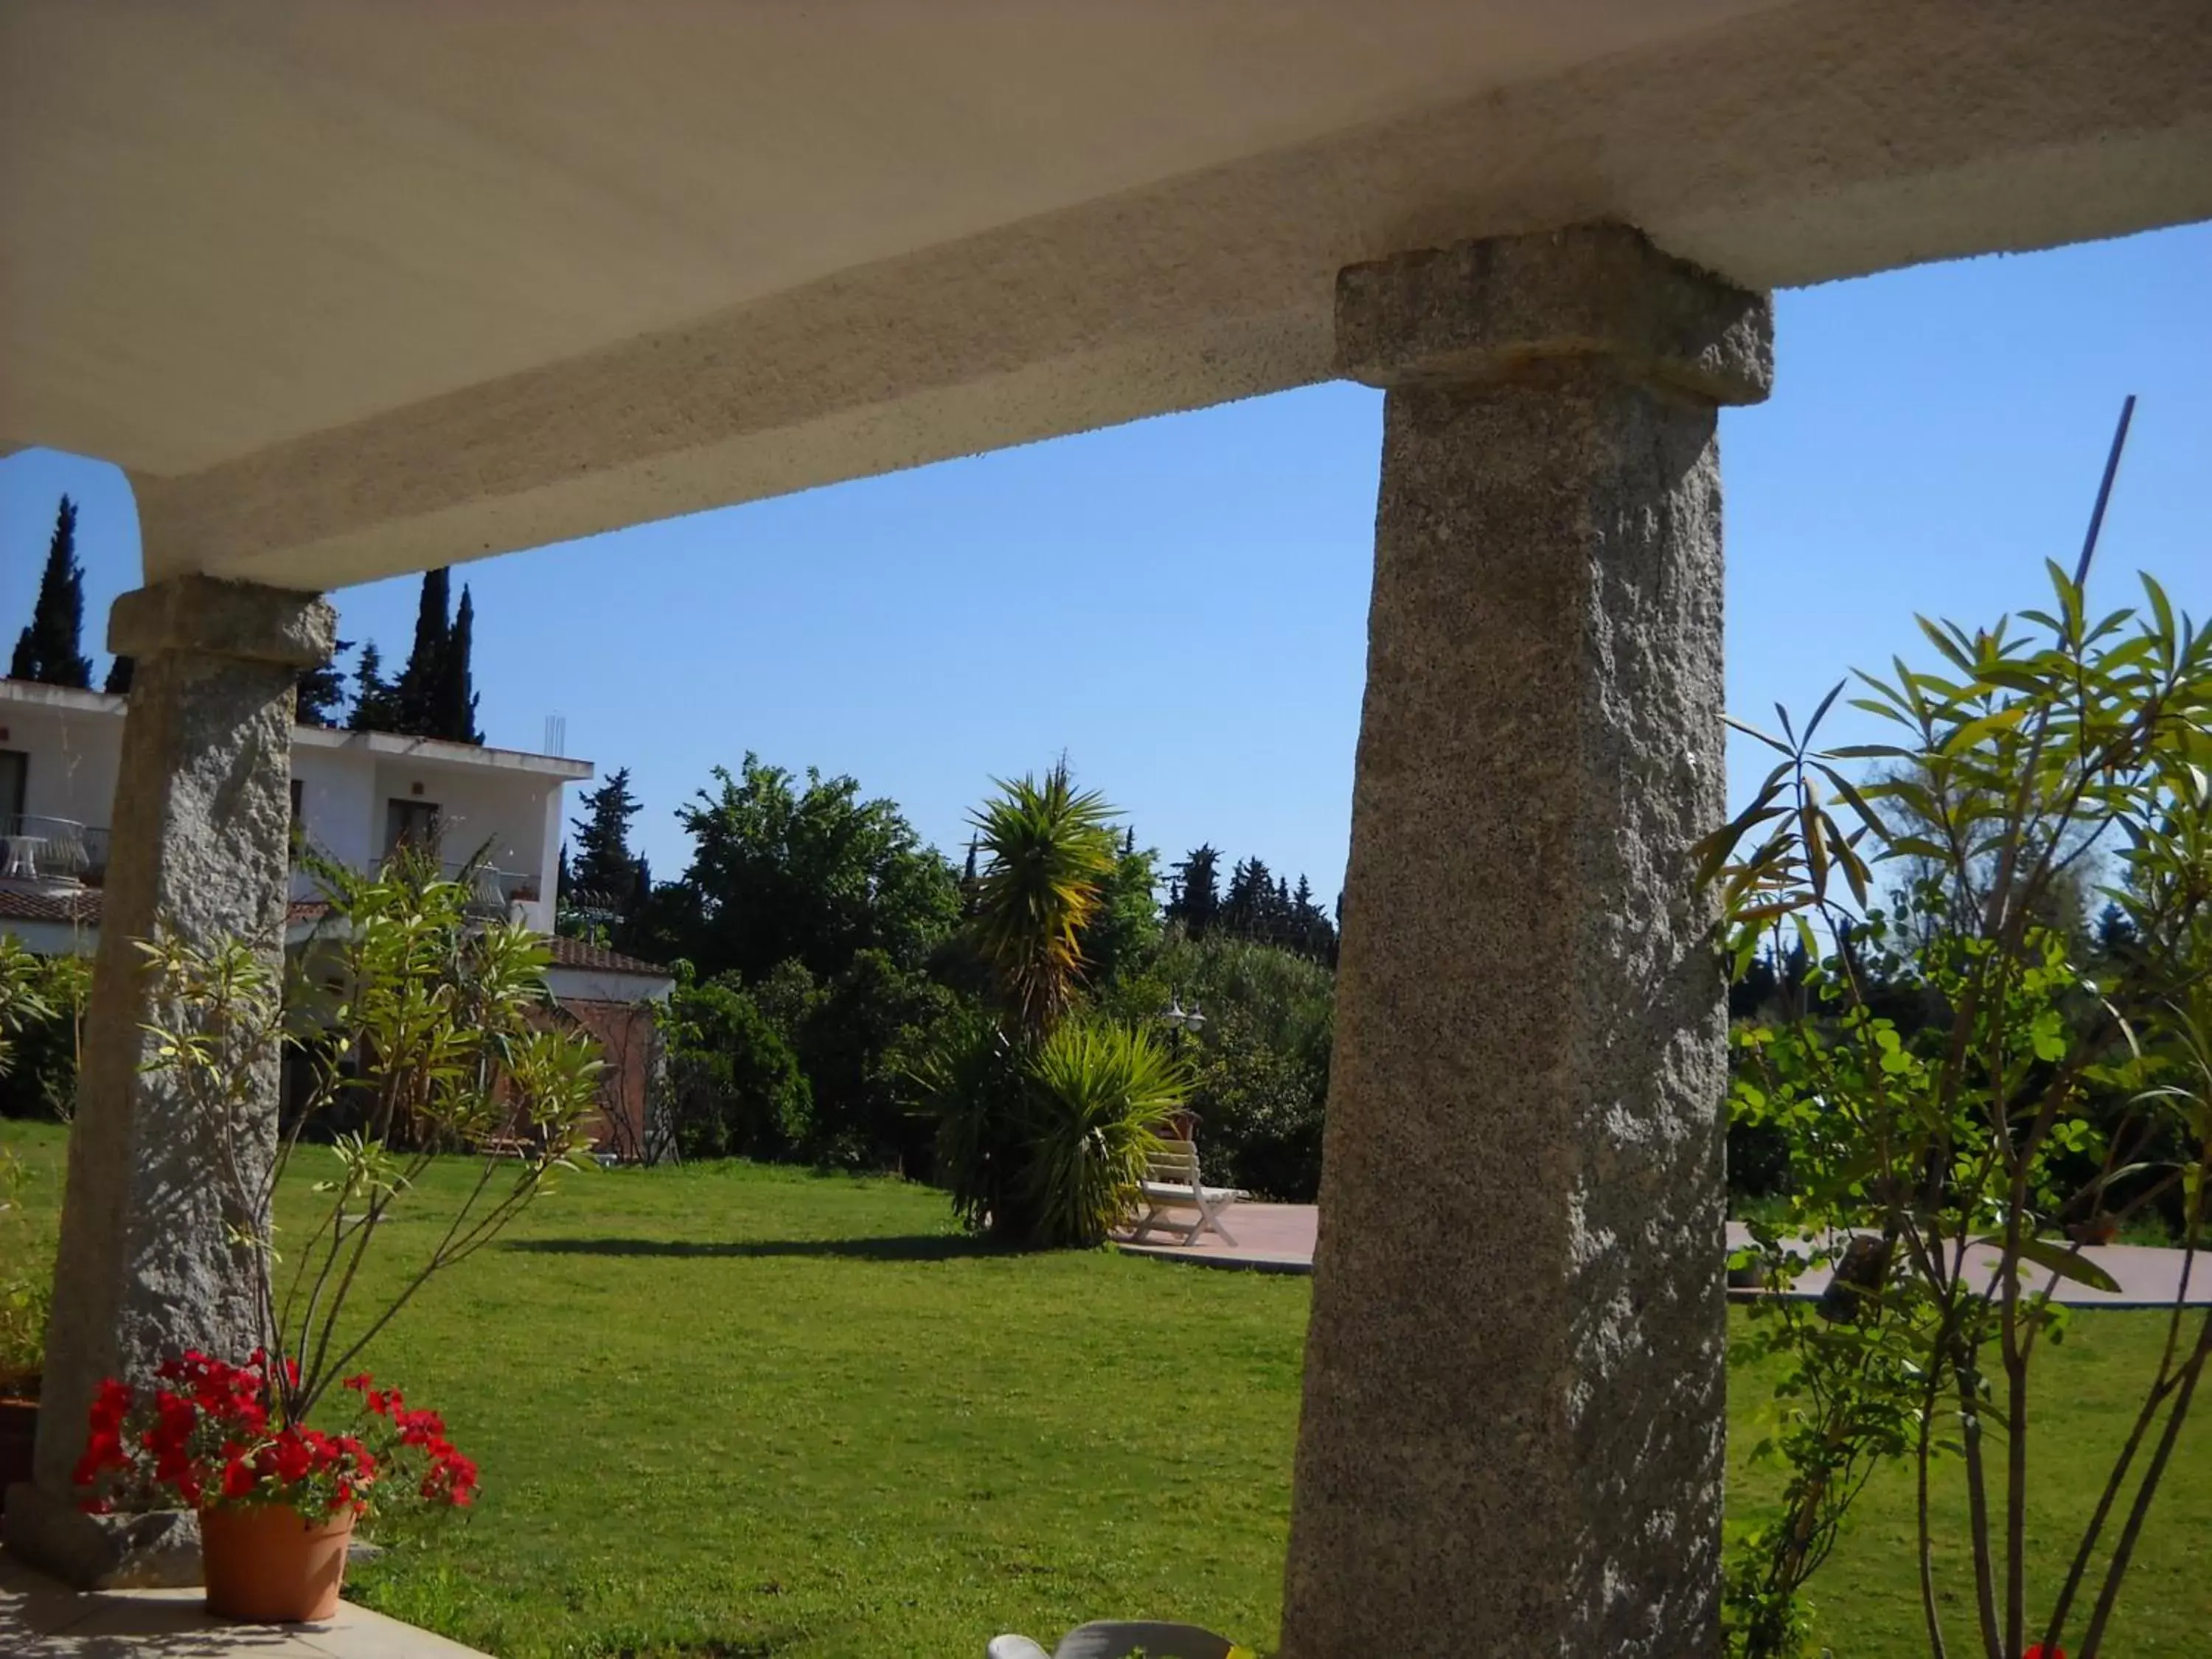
[604,874]
[783,871]
[1049,854]
[49,649]
[1194,894]
[120,672]
[736,1087]
[453,698]
[851,1035]
[1126,931]
[1250,908]
[320,697]
[376,708]
[415,693]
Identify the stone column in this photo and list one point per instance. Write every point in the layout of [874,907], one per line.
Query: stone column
[200,843]
[1511,1439]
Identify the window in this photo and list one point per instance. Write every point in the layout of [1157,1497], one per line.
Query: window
[14,773]
[410,823]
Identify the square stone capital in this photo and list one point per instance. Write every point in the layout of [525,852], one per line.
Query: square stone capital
[1500,308]
[202,616]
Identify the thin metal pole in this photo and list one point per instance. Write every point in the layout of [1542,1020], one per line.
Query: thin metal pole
[2104,490]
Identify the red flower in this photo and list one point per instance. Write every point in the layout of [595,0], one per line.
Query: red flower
[203,1432]
[294,1461]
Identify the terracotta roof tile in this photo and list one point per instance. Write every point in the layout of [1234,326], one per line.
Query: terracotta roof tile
[597,958]
[74,905]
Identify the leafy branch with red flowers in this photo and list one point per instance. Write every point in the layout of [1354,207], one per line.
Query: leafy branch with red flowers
[423,1030]
[205,1434]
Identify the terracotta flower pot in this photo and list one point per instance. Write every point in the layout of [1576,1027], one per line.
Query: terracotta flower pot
[267,1566]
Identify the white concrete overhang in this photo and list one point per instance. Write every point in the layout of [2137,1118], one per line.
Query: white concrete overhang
[35,694]
[358,287]
[436,754]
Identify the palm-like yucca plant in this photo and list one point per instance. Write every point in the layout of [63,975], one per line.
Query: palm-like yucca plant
[1050,851]
[1100,1094]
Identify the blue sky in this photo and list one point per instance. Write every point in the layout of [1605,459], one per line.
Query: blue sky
[1180,604]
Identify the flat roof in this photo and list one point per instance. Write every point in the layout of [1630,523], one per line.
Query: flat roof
[433,751]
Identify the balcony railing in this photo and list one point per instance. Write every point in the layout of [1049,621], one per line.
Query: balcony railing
[47,850]
[491,890]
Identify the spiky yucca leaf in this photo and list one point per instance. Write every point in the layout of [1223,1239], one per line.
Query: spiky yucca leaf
[1049,851]
[1100,1091]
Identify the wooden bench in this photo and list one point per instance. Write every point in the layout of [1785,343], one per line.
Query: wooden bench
[1173,1182]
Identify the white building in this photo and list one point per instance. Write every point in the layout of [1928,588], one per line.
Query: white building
[494,814]
[355,795]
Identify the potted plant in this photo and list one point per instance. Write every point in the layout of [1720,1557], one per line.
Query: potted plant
[277,1499]
[424,1031]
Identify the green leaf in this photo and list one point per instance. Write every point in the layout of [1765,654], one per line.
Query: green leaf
[2060,1259]
[1751,731]
[2160,607]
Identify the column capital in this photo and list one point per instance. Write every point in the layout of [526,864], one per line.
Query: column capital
[1495,310]
[207,616]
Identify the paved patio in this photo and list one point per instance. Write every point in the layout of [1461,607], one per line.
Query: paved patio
[1279,1238]
[39,1618]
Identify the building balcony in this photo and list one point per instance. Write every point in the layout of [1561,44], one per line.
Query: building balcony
[47,852]
[494,891]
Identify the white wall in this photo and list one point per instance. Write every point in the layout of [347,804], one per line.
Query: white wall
[504,804]
[337,789]
[500,814]
[75,755]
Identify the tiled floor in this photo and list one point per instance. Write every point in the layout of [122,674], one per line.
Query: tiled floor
[1279,1238]
[40,1619]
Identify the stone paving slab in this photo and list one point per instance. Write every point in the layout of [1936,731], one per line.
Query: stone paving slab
[40,1618]
[1279,1238]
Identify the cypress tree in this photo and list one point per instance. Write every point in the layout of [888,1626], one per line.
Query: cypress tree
[49,649]
[415,694]
[454,706]
[1196,898]
[120,672]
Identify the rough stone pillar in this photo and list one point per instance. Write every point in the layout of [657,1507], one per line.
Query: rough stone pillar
[199,841]
[1512,1440]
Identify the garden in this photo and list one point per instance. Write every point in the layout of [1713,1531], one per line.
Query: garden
[734,1409]
[847,1372]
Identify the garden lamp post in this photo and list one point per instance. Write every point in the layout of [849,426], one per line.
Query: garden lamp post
[1180,1020]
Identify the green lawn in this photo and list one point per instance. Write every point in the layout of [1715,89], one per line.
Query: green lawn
[737,1410]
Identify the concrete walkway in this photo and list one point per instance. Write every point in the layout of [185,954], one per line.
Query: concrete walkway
[1279,1238]
[39,1618]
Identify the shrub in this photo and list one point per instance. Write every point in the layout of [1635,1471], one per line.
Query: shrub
[1964,1073]
[1099,1093]
[1260,1111]
[1260,1063]
[41,1015]
[737,1089]
[1045,1144]
[967,1080]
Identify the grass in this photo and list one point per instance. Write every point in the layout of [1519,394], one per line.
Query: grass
[735,1411]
